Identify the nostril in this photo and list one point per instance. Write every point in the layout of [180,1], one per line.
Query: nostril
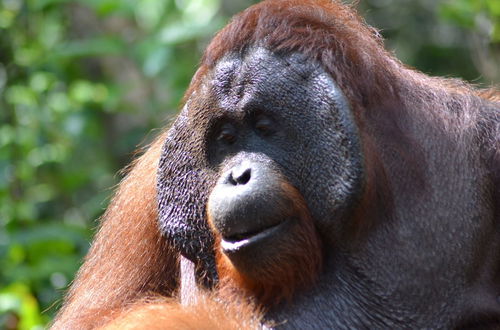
[230,180]
[244,177]
[240,177]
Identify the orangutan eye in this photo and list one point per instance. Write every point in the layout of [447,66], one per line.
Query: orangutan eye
[227,134]
[265,125]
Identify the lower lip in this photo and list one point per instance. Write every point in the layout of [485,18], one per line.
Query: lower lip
[228,246]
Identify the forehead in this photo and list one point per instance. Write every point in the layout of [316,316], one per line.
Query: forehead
[260,77]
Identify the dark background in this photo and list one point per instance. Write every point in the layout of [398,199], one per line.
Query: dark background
[84,83]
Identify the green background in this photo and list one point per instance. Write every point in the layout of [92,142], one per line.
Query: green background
[83,83]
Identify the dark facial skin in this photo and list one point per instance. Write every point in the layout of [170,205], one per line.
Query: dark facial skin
[280,115]
[261,117]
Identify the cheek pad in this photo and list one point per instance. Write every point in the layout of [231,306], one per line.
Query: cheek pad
[182,189]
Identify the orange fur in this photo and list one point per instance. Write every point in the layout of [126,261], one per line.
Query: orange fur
[492,94]
[207,313]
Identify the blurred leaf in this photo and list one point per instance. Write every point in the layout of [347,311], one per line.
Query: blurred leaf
[53,232]
[107,7]
[198,12]
[42,4]
[496,33]
[17,298]
[29,55]
[180,32]
[6,18]
[148,13]
[91,47]
[460,11]
[20,95]
[41,81]
[493,7]
[156,61]
[81,91]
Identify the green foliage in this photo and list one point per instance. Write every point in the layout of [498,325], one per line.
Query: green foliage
[81,84]
[83,81]
[472,14]
[443,37]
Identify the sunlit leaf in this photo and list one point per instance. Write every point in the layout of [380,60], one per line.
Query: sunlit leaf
[20,95]
[17,298]
[148,13]
[493,7]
